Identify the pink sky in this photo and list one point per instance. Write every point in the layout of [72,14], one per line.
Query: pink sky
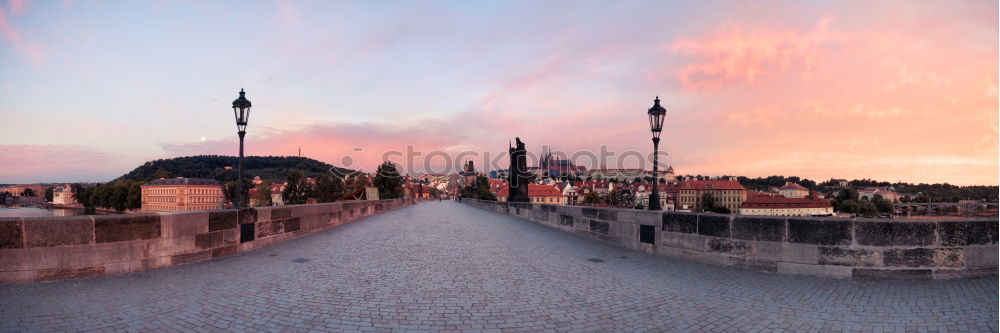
[895,91]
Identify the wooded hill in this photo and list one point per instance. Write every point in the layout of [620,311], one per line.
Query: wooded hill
[273,168]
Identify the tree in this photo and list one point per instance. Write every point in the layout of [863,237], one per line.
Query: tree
[356,181]
[388,181]
[849,206]
[479,189]
[881,204]
[329,188]
[28,192]
[708,204]
[591,198]
[49,193]
[263,195]
[621,197]
[161,173]
[868,209]
[295,188]
[848,194]
[119,197]
[134,200]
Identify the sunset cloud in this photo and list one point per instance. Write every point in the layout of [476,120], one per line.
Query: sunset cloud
[13,37]
[54,163]
[895,89]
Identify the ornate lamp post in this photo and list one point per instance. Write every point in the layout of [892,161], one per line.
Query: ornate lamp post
[656,114]
[241,110]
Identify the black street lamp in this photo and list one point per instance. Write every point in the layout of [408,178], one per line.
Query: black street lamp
[241,110]
[656,114]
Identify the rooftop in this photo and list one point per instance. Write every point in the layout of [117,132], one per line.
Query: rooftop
[182,181]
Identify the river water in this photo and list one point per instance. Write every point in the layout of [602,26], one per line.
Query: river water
[43,212]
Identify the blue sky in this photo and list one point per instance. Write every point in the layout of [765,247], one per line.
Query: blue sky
[90,89]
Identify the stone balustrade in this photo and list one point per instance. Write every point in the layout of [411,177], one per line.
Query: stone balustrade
[828,247]
[56,248]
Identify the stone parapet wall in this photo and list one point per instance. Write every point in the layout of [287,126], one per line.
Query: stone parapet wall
[56,248]
[828,247]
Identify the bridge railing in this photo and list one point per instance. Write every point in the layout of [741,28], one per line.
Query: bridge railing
[828,247]
[56,248]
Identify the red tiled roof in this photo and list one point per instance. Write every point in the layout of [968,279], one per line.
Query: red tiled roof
[713,184]
[534,191]
[762,201]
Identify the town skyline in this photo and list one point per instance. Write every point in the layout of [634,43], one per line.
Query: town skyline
[834,91]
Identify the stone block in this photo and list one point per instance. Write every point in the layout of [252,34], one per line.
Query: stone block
[247,215]
[292,224]
[223,251]
[575,211]
[69,273]
[894,233]
[820,231]
[680,222]
[840,256]
[264,213]
[600,227]
[591,212]
[786,252]
[121,267]
[18,277]
[891,274]
[120,228]
[222,219]
[759,228]
[607,214]
[965,272]
[979,256]
[209,240]
[705,257]
[11,234]
[685,241]
[153,263]
[837,272]
[176,245]
[924,257]
[631,216]
[186,258]
[58,231]
[281,213]
[231,236]
[728,246]
[961,233]
[566,220]
[714,225]
[180,224]
[757,265]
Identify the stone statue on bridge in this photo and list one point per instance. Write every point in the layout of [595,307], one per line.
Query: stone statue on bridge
[518,175]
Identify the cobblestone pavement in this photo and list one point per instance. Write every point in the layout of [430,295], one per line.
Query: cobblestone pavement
[446,266]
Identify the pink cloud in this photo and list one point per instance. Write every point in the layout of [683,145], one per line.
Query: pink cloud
[9,33]
[16,6]
[46,163]
[745,56]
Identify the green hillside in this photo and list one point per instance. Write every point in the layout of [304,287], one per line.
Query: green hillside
[273,168]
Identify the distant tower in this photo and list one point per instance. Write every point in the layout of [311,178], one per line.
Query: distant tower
[300,151]
[469,173]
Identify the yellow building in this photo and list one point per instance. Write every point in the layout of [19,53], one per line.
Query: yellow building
[181,194]
[727,193]
[772,205]
[793,190]
[63,195]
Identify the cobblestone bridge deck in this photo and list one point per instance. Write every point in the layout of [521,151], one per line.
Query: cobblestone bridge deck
[445,266]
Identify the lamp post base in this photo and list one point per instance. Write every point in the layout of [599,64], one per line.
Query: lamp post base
[654,202]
